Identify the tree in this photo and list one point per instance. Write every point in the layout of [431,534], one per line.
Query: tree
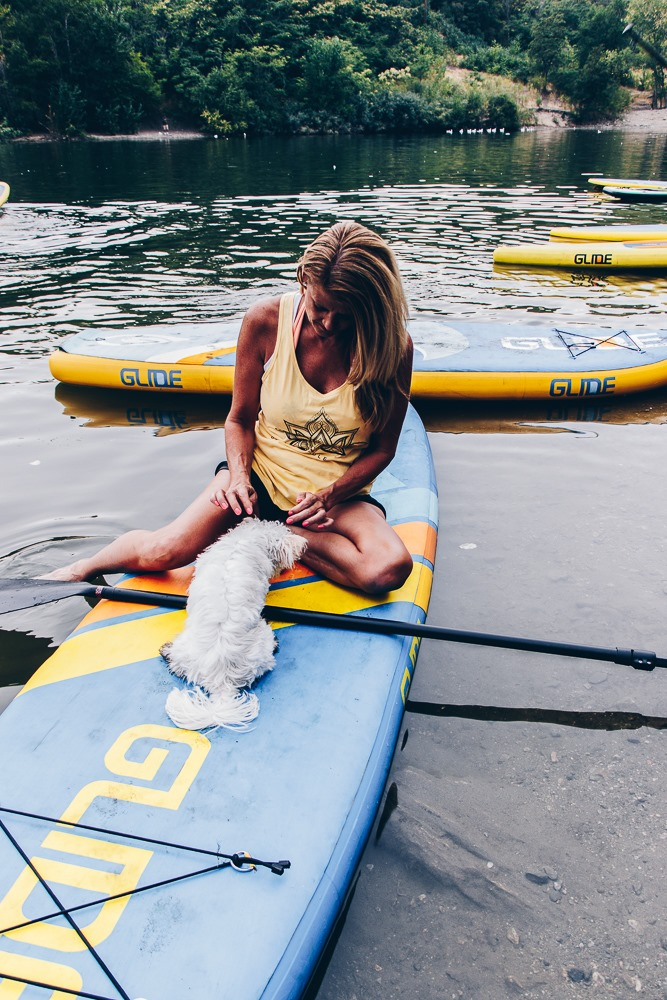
[649,19]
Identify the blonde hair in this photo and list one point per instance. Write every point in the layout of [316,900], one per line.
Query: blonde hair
[356,266]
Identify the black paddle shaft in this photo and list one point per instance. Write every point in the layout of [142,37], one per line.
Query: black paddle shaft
[16,594]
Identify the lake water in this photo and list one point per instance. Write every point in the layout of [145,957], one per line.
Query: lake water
[523,849]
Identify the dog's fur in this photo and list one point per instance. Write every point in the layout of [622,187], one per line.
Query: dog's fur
[226,644]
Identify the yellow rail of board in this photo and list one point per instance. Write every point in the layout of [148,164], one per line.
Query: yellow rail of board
[620,234]
[628,256]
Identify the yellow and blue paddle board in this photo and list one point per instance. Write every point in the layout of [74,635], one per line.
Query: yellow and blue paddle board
[88,743]
[454,359]
[4,192]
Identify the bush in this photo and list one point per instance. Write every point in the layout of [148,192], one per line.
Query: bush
[7,132]
[118,118]
[66,114]
[502,112]
[389,110]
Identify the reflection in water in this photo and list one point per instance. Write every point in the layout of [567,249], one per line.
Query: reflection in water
[20,655]
[580,720]
[182,412]
[163,414]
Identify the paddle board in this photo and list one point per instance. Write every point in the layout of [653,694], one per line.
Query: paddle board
[88,741]
[459,359]
[4,192]
[621,234]
[603,256]
[603,182]
[636,194]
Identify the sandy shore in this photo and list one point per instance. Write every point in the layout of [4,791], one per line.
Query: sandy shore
[640,117]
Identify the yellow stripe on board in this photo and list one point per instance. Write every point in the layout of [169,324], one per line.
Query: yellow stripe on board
[127,642]
[138,639]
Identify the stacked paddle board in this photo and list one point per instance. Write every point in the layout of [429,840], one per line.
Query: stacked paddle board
[88,742]
[631,190]
[455,359]
[614,234]
[603,182]
[633,248]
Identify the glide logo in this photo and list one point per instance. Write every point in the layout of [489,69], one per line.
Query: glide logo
[583,386]
[593,258]
[152,378]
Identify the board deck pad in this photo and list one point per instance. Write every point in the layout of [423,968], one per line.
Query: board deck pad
[88,741]
[458,359]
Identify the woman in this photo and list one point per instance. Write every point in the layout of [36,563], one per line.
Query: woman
[321,387]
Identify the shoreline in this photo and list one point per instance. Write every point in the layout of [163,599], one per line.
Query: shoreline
[640,117]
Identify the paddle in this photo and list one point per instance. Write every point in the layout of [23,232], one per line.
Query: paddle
[18,594]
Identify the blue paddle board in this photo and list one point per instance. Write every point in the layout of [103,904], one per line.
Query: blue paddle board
[88,743]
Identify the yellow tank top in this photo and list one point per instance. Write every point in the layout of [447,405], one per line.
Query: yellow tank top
[304,439]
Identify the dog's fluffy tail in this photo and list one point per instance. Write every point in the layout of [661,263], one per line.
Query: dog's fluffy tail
[196,709]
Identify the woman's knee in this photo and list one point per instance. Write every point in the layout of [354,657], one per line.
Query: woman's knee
[381,576]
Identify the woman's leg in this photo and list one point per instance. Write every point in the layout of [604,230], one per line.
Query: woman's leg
[176,544]
[361,550]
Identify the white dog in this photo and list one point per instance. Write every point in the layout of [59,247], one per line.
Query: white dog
[226,644]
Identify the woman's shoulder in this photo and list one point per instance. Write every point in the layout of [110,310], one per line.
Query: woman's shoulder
[263,314]
[260,328]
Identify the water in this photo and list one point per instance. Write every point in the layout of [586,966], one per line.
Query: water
[522,850]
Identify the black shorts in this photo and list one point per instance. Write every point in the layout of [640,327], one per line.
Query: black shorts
[270,511]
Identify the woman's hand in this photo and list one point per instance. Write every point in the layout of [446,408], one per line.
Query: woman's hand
[239,496]
[310,511]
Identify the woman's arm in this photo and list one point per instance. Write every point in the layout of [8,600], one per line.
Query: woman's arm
[310,511]
[256,344]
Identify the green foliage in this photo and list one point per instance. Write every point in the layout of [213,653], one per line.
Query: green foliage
[649,19]
[334,76]
[73,66]
[576,46]
[67,64]
[66,110]
[510,61]
[388,110]
[7,133]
